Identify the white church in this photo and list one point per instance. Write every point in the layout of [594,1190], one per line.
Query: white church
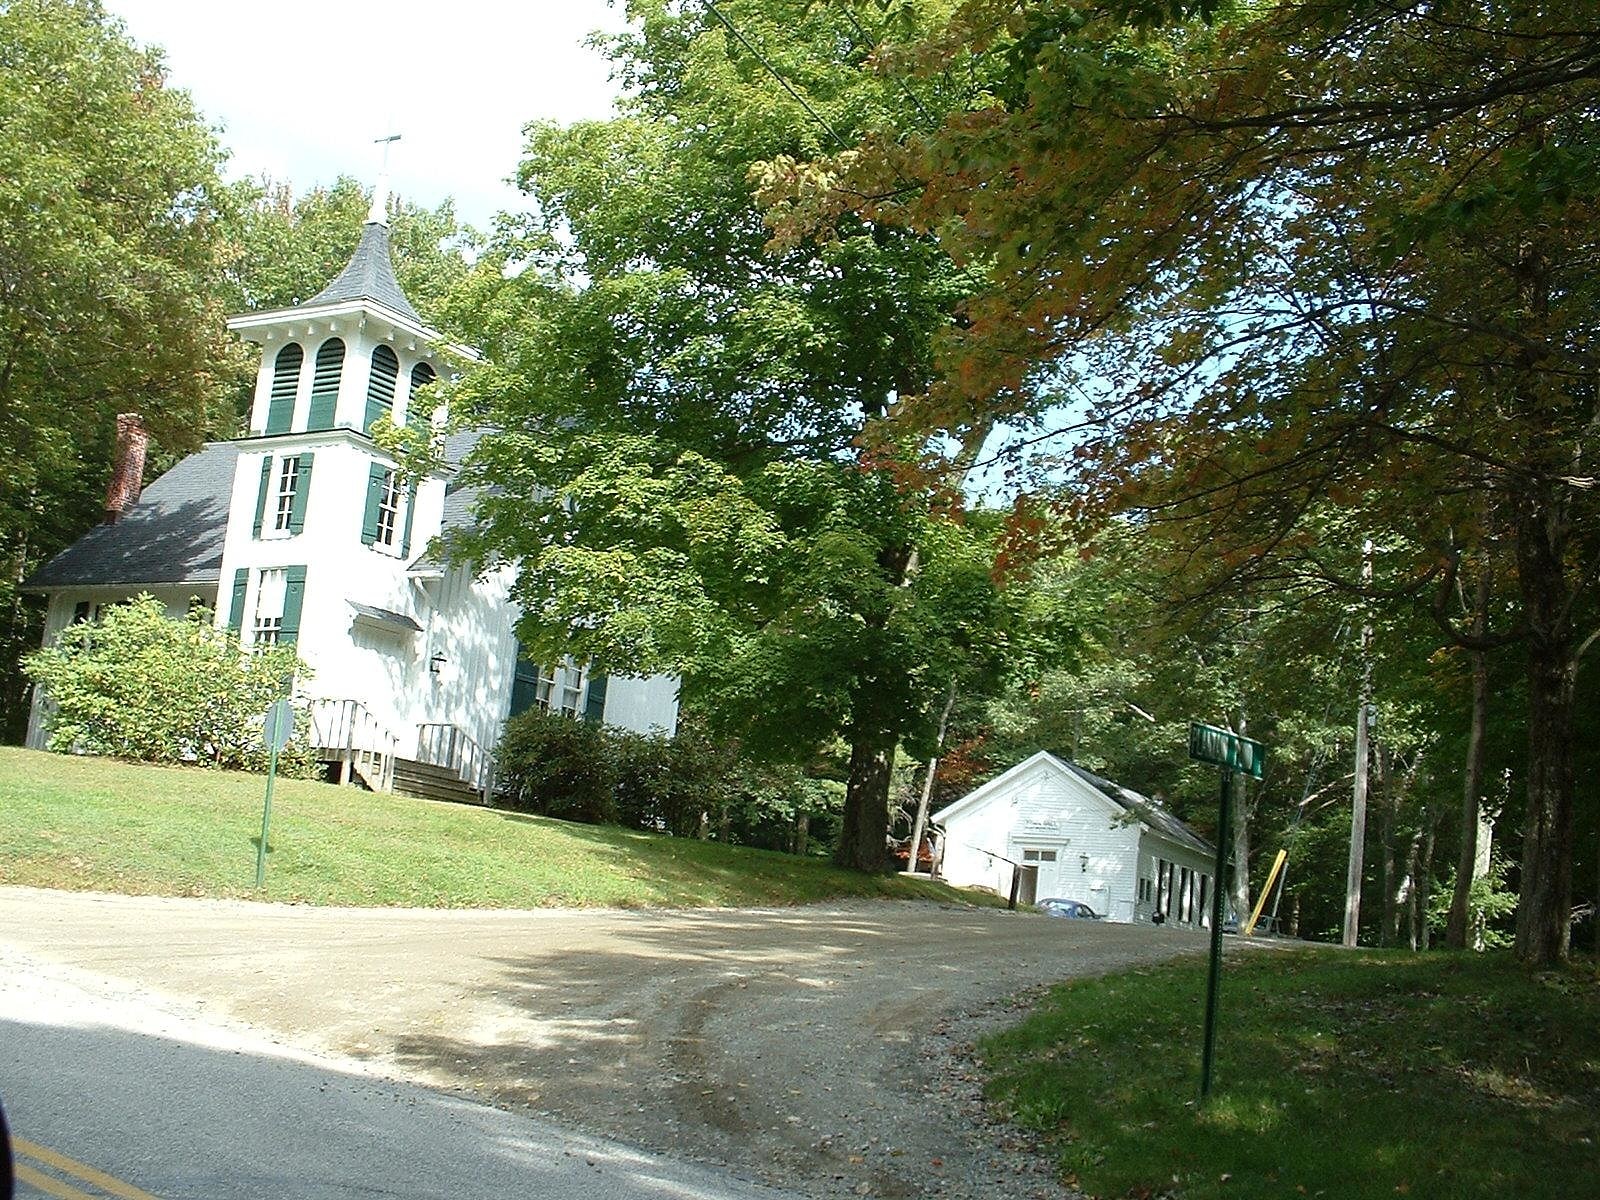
[305,531]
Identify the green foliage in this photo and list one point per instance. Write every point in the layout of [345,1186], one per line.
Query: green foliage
[112,219]
[138,685]
[1474,1079]
[1492,903]
[691,785]
[553,765]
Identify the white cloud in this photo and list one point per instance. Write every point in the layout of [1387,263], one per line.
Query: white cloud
[301,89]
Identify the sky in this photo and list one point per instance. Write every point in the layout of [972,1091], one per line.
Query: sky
[300,90]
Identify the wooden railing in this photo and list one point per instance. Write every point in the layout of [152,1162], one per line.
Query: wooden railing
[346,732]
[440,744]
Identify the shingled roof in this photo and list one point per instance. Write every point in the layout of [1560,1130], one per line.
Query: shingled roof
[369,276]
[1142,807]
[172,534]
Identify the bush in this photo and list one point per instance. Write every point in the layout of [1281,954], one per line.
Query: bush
[138,685]
[670,783]
[558,767]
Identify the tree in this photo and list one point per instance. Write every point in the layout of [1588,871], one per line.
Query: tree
[1298,257]
[678,464]
[111,214]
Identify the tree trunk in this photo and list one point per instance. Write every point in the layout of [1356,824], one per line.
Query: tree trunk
[1422,887]
[802,832]
[863,843]
[1544,907]
[1455,935]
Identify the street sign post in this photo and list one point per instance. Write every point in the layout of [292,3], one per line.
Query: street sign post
[275,732]
[1232,752]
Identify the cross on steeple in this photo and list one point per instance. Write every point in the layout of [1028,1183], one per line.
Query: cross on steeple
[378,214]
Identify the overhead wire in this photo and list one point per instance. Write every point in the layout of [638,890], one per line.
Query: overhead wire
[776,74]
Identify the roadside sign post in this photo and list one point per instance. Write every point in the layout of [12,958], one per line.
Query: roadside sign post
[275,731]
[1232,752]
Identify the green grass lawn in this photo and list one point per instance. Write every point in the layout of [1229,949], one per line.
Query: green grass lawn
[92,824]
[1348,1075]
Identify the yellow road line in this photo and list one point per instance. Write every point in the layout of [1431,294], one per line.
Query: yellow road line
[71,1166]
[48,1185]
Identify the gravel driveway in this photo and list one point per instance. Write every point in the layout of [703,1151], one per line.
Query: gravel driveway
[821,1048]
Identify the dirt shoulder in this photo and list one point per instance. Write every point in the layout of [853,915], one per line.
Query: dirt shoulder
[821,1048]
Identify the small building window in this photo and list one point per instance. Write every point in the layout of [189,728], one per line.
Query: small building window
[288,486]
[559,689]
[389,509]
[270,593]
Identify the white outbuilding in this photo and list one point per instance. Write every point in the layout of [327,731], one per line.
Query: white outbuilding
[1068,833]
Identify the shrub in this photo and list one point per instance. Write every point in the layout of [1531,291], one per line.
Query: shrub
[557,766]
[136,684]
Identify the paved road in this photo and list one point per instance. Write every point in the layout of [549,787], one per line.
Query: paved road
[801,1047]
[109,1095]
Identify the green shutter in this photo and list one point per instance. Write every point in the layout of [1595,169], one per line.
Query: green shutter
[377,474]
[241,579]
[594,705]
[285,383]
[302,490]
[381,382]
[325,384]
[294,594]
[261,496]
[411,507]
[419,420]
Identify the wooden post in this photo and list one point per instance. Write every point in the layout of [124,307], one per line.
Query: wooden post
[1358,810]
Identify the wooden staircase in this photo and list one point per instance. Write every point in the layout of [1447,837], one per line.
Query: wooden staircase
[430,782]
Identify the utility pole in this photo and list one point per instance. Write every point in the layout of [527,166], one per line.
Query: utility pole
[1358,811]
[920,826]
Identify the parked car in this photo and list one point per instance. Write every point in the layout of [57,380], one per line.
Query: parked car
[1074,909]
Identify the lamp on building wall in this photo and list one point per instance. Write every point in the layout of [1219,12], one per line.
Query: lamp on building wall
[1083,863]
[437,661]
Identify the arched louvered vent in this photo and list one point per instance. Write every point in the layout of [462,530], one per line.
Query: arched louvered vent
[285,382]
[380,385]
[325,384]
[419,416]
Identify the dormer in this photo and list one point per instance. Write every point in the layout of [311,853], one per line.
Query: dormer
[355,351]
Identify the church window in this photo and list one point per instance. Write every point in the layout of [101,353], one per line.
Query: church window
[285,383]
[325,384]
[288,489]
[419,418]
[380,386]
[280,594]
[389,509]
[381,524]
[270,595]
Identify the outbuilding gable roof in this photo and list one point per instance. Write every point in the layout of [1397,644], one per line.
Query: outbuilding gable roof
[1139,807]
[172,534]
[369,275]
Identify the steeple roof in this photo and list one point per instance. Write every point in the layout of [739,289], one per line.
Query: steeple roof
[369,275]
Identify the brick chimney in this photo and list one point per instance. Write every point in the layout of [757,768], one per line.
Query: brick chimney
[127,466]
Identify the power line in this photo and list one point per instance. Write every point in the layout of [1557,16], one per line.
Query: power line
[900,79]
[773,71]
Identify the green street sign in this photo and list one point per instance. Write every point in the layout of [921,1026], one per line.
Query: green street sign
[1227,749]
